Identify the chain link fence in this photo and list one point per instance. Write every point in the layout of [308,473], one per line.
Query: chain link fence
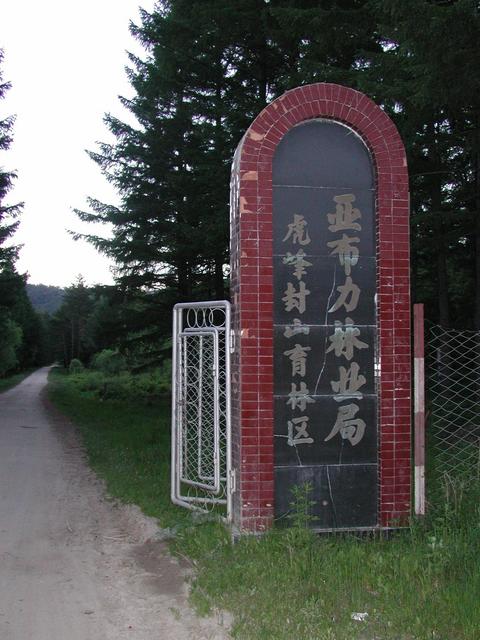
[453,383]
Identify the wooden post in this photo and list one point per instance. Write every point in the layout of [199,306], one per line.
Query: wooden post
[419,407]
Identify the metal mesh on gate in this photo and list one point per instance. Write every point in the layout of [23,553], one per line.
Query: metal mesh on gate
[199,450]
[453,360]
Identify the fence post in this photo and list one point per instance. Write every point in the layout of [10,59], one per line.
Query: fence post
[419,407]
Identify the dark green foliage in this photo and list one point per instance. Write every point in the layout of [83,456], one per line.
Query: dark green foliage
[104,328]
[75,366]
[210,66]
[143,388]
[10,341]
[428,77]
[8,212]
[110,362]
[22,331]
[32,349]
[70,322]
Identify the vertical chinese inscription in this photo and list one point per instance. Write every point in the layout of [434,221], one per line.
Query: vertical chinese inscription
[346,338]
[296,300]
[325,324]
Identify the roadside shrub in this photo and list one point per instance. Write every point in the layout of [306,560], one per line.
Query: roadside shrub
[147,388]
[110,362]
[76,366]
[10,341]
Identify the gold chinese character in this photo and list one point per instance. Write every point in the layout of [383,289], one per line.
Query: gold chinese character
[347,253]
[297,327]
[299,397]
[297,231]
[349,296]
[349,428]
[349,384]
[298,358]
[345,215]
[343,342]
[298,262]
[295,299]
[297,431]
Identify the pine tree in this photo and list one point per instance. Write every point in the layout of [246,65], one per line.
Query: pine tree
[211,66]
[10,282]
[159,231]
[427,78]
[8,213]
[70,322]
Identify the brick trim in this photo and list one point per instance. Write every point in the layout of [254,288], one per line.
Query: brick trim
[252,297]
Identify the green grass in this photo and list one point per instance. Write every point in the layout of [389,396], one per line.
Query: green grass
[12,381]
[128,444]
[292,585]
[424,583]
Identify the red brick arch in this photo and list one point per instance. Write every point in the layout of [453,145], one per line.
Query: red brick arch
[252,296]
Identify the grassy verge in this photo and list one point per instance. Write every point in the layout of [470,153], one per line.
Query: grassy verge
[12,381]
[290,585]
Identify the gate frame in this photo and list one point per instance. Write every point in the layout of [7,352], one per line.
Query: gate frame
[195,503]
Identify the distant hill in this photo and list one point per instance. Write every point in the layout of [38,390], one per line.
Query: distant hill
[45,298]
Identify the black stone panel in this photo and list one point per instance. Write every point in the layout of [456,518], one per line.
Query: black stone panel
[345,496]
[315,205]
[322,415]
[320,291]
[320,367]
[322,153]
[324,247]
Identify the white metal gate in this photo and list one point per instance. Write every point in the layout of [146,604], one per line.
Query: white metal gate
[201,451]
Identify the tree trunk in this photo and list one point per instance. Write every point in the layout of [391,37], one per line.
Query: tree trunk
[477,227]
[442,276]
[477,264]
[219,285]
[184,282]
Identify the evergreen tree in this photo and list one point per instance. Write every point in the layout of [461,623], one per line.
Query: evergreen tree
[70,323]
[8,213]
[427,76]
[210,67]
[10,339]
[10,282]
[22,332]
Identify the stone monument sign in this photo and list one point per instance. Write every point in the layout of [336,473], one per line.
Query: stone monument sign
[321,313]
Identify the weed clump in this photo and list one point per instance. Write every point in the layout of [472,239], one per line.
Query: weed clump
[110,362]
[110,382]
[76,366]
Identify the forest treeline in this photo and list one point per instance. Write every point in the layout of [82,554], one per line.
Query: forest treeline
[23,332]
[208,68]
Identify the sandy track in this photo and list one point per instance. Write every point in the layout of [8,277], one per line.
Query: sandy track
[73,565]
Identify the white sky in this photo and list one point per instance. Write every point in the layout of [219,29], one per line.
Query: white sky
[65,60]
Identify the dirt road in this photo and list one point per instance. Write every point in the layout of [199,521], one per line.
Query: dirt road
[72,564]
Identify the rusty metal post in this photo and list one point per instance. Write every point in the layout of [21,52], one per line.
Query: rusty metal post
[419,407]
